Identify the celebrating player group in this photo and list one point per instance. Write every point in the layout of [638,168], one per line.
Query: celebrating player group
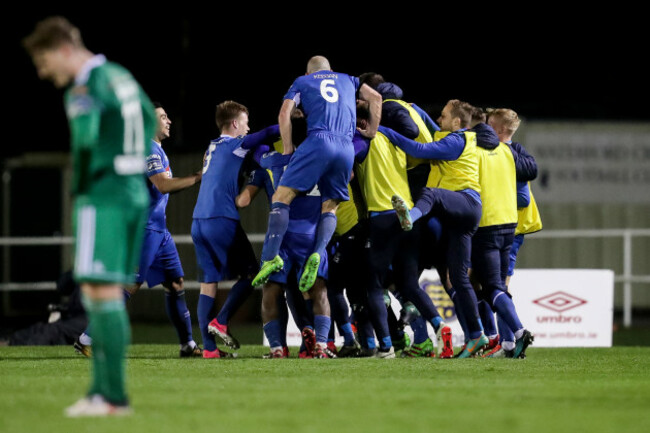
[365,192]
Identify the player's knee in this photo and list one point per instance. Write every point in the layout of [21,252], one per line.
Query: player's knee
[318,292]
[284,194]
[330,206]
[176,285]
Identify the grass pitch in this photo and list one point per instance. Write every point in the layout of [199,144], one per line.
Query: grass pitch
[554,390]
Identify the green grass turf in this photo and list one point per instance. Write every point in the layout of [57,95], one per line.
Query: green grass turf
[553,390]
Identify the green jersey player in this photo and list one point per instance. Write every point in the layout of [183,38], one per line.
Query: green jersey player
[111,121]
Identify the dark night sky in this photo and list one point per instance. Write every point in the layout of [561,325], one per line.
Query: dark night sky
[191,62]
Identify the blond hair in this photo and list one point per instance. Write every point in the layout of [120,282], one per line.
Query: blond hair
[51,33]
[506,117]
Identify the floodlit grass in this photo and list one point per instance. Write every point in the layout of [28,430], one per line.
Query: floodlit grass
[577,390]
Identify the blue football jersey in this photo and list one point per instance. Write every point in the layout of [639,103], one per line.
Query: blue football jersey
[157,162]
[328,100]
[305,210]
[220,182]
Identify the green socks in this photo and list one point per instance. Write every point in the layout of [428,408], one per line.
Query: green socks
[111,337]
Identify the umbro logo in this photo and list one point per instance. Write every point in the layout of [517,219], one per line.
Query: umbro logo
[559,302]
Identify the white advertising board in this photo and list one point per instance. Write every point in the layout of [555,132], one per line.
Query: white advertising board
[561,307]
[566,307]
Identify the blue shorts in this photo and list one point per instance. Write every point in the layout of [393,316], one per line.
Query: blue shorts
[223,250]
[159,261]
[514,250]
[295,249]
[324,160]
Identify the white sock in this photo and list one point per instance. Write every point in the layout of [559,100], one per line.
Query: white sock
[519,333]
[508,345]
[85,339]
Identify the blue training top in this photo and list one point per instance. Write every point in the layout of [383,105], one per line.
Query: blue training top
[157,162]
[328,100]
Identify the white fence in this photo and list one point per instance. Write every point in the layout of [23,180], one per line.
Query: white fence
[626,278]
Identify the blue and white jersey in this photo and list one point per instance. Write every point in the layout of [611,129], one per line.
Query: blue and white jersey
[305,210]
[157,162]
[328,100]
[220,182]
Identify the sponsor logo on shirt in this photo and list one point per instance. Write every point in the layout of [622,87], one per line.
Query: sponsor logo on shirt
[154,163]
[79,105]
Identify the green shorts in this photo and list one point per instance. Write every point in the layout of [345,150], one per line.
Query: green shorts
[108,240]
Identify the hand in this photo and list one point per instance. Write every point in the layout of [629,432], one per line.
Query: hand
[198,176]
[366,133]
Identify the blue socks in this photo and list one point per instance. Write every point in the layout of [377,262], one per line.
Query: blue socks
[322,327]
[487,318]
[324,232]
[505,333]
[278,224]
[283,319]
[434,227]
[506,309]
[459,313]
[236,297]
[179,314]
[386,343]
[273,333]
[204,313]
[348,334]
[378,314]
[436,321]
[416,214]
[467,302]
[420,332]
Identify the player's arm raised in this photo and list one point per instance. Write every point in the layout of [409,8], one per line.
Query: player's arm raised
[166,184]
[284,120]
[373,97]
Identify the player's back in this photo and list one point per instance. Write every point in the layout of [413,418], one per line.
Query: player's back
[220,182]
[328,100]
[111,119]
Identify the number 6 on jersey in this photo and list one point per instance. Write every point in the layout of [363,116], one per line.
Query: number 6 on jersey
[328,91]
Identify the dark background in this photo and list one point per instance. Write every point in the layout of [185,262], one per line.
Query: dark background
[545,65]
